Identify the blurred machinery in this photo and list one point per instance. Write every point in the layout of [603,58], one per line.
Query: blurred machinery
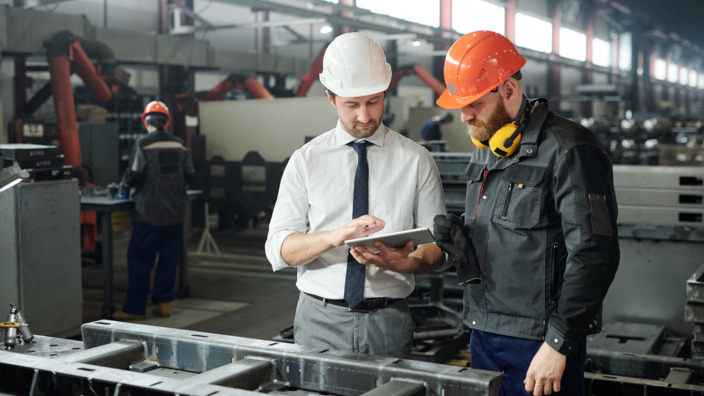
[649,139]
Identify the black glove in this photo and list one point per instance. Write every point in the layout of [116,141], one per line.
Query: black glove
[450,237]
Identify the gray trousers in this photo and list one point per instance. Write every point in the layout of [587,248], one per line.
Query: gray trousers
[385,332]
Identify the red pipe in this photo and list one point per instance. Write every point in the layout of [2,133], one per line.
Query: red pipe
[423,74]
[219,91]
[311,75]
[65,110]
[429,80]
[396,77]
[85,69]
[257,90]
[63,51]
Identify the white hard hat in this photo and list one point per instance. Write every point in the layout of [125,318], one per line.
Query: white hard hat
[354,65]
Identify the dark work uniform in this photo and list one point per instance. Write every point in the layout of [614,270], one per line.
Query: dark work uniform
[159,169]
[431,130]
[543,223]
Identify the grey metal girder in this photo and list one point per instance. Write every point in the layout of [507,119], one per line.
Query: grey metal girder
[116,355]
[24,31]
[320,370]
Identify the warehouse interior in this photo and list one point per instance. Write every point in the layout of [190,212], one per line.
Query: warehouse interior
[240,78]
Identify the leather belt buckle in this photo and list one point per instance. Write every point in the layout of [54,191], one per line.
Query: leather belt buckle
[373,304]
[366,305]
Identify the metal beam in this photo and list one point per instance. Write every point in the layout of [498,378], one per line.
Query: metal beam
[363,19]
[24,31]
[312,369]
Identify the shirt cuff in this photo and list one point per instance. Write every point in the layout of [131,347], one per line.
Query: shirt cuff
[273,250]
[558,341]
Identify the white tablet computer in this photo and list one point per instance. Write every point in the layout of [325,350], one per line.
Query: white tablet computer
[394,239]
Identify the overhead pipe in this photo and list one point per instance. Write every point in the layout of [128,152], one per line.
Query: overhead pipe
[64,51]
[311,75]
[234,80]
[423,74]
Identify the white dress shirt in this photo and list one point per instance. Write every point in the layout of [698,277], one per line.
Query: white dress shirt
[316,195]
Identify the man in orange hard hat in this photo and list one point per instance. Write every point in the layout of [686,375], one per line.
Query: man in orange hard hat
[536,247]
[159,168]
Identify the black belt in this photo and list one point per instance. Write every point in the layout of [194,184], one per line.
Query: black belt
[368,304]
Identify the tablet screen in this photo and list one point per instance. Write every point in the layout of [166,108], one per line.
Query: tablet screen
[394,239]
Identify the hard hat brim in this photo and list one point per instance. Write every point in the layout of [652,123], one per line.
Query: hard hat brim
[449,101]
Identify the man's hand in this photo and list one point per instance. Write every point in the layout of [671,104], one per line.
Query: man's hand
[451,238]
[357,228]
[299,249]
[545,371]
[397,260]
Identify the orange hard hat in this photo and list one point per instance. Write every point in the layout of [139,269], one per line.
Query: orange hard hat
[156,107]
[476,64]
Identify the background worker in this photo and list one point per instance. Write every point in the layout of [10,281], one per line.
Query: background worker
[539,227]
[431,128]
[321,203]
[159,169]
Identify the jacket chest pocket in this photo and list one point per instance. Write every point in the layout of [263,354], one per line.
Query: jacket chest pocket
[474,175]
[520,196]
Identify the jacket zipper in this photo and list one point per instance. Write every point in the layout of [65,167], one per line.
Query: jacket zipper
[553,265]
[504,212]
[481,193]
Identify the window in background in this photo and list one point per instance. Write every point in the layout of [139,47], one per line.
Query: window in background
[684,75]
[660,71]
[624,51]
[701,81]
[693,78]
[533,33]
[601,52]
[426,12]
[472,15]
[672,73]
[573,44]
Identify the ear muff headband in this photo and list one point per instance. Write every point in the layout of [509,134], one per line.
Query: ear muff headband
[505,141]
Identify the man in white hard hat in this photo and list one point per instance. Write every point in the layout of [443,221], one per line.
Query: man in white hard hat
[316,211]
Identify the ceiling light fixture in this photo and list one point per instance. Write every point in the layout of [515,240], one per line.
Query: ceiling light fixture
[326,29]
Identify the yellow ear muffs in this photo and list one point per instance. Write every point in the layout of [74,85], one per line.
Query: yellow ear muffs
[505,141]
[484,144]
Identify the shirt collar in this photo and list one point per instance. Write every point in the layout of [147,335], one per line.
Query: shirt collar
[343,138]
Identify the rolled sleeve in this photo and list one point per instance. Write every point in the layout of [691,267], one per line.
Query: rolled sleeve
[290,215]
[273,249]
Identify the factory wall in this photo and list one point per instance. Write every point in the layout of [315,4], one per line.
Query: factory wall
[275,128]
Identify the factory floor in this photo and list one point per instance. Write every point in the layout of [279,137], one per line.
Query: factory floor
[231,293]
[234,292]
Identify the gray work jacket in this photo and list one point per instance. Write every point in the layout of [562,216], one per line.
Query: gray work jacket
[159,169]
[543,224]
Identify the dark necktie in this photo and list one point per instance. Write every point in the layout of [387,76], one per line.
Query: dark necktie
[354,278]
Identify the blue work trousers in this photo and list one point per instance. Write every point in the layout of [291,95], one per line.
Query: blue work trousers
[512,356]
[146,243]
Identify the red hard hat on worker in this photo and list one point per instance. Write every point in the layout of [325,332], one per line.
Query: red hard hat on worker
[475,64]
[156,107]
